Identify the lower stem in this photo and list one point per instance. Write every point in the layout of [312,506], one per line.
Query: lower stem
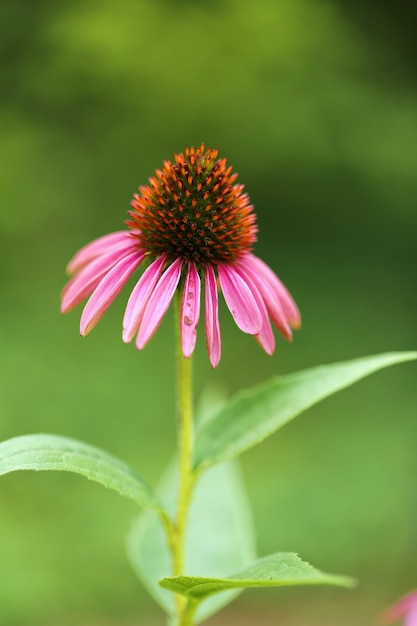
[185,473]
[187,615]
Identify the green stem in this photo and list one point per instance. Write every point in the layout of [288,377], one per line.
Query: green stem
[187,615]
[185,457]
[185,477]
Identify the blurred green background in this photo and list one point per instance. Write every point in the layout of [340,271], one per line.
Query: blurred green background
[314,103]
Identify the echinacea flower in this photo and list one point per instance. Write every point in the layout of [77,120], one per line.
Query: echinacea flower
[193,223]
[405,608]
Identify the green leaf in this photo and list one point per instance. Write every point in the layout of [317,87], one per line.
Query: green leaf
[275,570]
[255,414]
[220,536]
[51,452]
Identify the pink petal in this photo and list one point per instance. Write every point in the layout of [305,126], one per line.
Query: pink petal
[240,300]
[190,310]
[139,298]
[98,247]
[212,318]
[267,275]
[159,302]
[85,282]
[411,619]
[406,605]
[107,291]
[266,336]
[270,296]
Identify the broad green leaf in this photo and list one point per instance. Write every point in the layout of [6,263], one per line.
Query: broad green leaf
[220,536]
[275,570]
[255,414]
[52,452]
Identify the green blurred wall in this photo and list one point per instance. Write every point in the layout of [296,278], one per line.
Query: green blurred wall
[314,103]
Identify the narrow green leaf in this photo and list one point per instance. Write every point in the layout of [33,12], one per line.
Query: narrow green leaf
[52,452]
[275,570]
[255,414]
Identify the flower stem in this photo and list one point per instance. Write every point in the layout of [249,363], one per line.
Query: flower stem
[185,474]
[185,452]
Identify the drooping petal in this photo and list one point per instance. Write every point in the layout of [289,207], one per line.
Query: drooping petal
[266,336]
[270,296]
[212,318]
[159,302]
[240,300]
[107,290]
[190,310]
[287,302]
[85,282]
[98,247]
[139,298]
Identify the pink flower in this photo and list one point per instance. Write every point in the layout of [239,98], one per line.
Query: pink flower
[405,607]
[193,223]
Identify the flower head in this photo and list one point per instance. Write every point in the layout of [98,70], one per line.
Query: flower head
[405,608]
[193,223]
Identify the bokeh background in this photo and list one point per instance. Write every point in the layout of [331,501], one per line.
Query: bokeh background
[314,103]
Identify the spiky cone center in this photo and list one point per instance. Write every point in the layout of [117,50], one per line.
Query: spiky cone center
[194,209]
